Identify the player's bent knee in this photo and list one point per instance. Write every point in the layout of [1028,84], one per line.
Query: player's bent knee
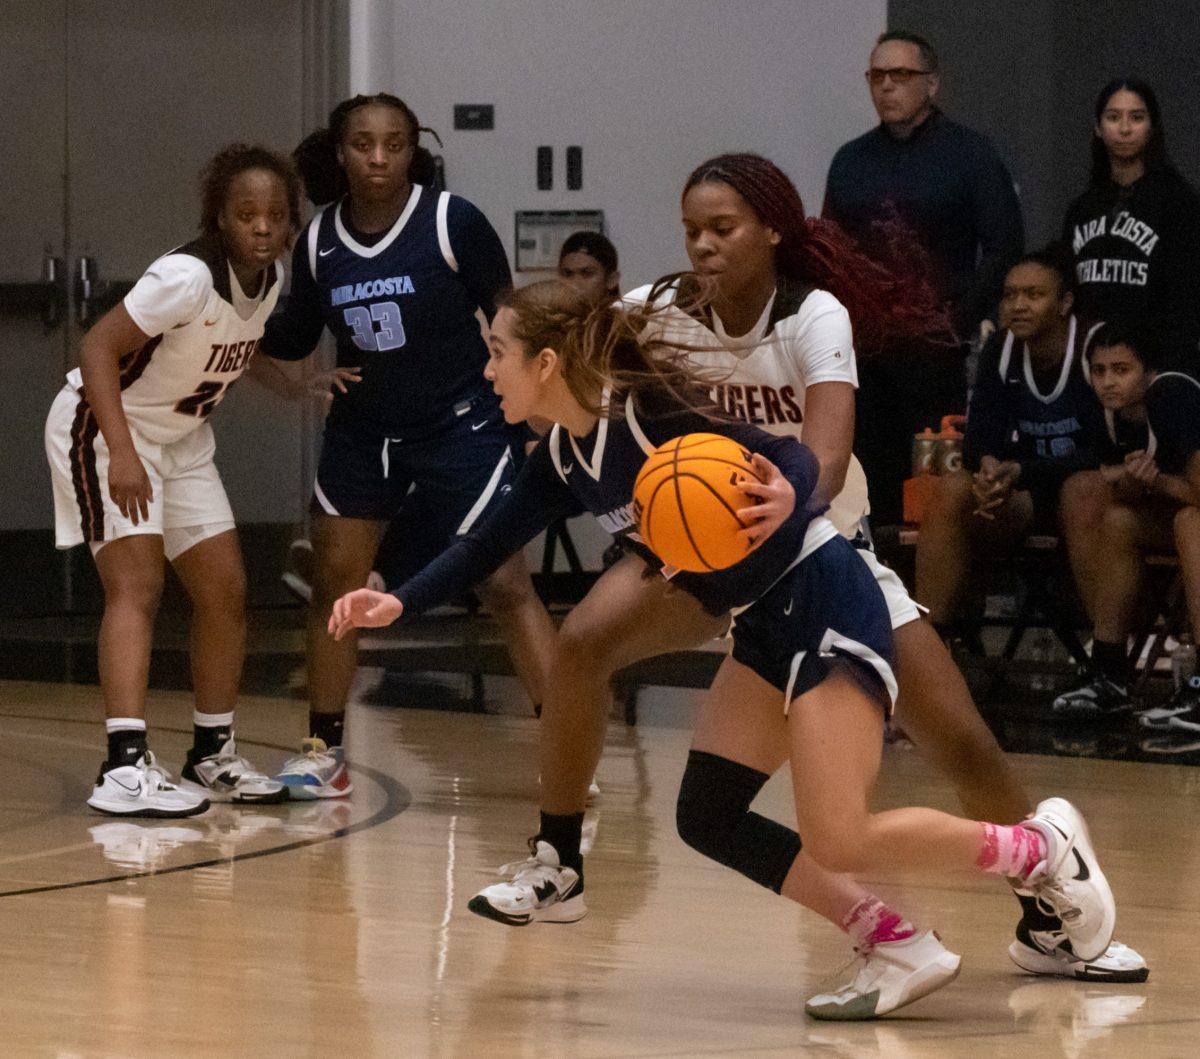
[712,816]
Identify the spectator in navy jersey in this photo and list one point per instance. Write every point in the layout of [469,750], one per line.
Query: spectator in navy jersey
[1153,507]
[947,184]
[1033,422]
[1135,230]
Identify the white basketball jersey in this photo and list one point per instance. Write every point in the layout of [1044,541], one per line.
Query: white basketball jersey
[205,330]
[802,338]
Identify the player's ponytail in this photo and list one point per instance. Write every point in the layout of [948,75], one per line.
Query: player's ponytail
[316,156]
[888,296]
[605,346]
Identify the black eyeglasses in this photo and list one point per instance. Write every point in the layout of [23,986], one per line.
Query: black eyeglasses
[900,75]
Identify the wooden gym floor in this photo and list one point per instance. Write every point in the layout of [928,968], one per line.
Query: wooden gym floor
[341,928]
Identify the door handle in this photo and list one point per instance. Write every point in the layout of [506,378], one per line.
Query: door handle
[94,296]
[46,297]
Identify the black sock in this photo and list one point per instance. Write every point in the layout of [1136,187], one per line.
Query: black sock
[125,746]
[1112,661]
[564,833]
[1034,917]
[327,727]
[206,740]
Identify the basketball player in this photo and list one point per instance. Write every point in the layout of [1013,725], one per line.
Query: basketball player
[614,397]
[778,333]
[588,261]
[397,273]
[1153,506]
[1033,421]
[131,458]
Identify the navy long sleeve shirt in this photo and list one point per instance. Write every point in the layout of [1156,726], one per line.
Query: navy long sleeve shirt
[948,184]
[558,480]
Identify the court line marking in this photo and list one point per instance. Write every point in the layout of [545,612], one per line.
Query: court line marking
[397,798]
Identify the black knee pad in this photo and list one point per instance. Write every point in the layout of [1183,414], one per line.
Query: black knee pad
[713,817]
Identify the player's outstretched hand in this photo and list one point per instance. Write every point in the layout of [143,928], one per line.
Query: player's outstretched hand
[364,608]
[776,501]
[323,384]
[129,485]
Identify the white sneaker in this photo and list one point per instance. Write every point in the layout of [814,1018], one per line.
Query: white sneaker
[226,776]
[1048,952]
[143,789]
[1069,883]
[318,771]
[889,976]
[298,574]
[540,891]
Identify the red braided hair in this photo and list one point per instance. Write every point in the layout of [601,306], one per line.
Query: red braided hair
[888,300]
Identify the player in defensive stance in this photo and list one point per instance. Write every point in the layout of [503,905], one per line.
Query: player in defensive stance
[131,458]
[397,272]
[809,679]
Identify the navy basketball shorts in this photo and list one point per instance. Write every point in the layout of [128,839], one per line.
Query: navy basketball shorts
[429,488]
[827,607]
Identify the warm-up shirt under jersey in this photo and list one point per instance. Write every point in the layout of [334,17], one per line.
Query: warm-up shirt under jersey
[402,310]
[802,338]
[204,329]
[565,476]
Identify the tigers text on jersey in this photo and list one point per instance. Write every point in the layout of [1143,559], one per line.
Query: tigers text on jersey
[205,330]
[401,308]
[565,475]
[802,338]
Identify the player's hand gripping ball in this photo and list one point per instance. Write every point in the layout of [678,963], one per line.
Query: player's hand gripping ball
[688,500]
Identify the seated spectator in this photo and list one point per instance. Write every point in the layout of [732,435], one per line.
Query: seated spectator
[1153,508]
[1119,375]
[1033,421]
[588,261]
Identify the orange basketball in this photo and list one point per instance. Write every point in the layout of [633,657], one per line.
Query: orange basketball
[688,497]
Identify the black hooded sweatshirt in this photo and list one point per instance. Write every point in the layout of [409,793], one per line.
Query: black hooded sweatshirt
[1136,252]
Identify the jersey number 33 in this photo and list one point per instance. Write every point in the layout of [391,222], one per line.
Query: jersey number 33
[361,320]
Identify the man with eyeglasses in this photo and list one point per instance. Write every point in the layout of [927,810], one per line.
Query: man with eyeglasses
[947,184]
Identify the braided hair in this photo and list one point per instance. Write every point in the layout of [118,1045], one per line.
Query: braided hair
[889,298]
[316,156]
[220,171]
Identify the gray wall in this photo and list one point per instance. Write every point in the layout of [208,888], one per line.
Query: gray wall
[1026,73]
[648,89]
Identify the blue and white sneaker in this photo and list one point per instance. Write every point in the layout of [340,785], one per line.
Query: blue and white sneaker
[318,771]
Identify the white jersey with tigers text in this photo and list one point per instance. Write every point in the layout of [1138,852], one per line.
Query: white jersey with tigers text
[802,338]
[203,329]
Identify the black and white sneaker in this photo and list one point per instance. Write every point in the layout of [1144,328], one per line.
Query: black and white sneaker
[1049,952]
[1096,698]
[540,890]
[1069,883]
[1181,714]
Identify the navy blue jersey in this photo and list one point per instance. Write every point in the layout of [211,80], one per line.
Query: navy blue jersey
[1173,419]
[1125,436]
[402,310]
[565,476]
[1052,427]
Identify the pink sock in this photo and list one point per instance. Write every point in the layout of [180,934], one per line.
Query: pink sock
[1011,851]
[871,922]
